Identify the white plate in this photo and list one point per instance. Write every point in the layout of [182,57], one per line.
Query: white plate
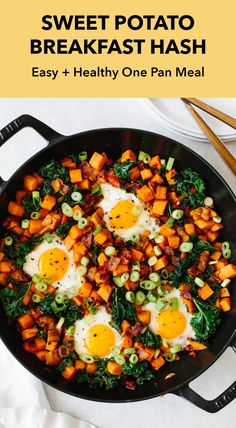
[172,113]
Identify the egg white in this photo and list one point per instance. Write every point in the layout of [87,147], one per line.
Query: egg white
[82,329]
[187,334]
[70,278]
[113,195]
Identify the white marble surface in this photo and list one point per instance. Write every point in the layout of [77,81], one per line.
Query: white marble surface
[70,116]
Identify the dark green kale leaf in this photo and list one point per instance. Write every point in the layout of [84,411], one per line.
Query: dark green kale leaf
[201,246]
[121,309]
[71,314]
[47,188]
[140,371]
[96,250]
[191,187]
[205,321]
[178,275]
[30,205]
[46,305]
[68,361]
[12,301]
[24,248]
[149,339]
[53,170]
[121,170]
[101,379]
[63,229]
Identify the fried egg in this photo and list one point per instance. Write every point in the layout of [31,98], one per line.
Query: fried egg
[94,335]
[54,261]
[171,324]
[124,213]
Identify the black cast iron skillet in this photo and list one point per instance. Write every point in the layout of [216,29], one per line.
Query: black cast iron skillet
[113,142]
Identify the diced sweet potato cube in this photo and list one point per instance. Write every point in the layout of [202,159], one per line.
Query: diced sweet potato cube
[225,304]
[25,321]
[161,263]
[114,368]
[121,268]
[69,372]
[144,317]
[134,173]
[155,162]
[75,232]
[128,155]
[85,290]
[224,292]
[159,207]
[197,346]
[79,364]
[158,362]
[75,175]
[145,193]
[48,202]
[228,272]
[91,368]
[102,258]
[16,209]
[85,184]
[136,255]
[157,178]
[189,228]
[161,192]
[173,241]
[30,182]
[127,341]
[167,231]
[97,161]
[69,242]
[205,292]
[105,292]
[146,174]
[100,238]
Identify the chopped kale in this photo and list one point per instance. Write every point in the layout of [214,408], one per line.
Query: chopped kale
[140,371]
[12,301]
[121,309]
[24,248]
[68,361]
[30,205]
[101,379]
[47,188]
[63,229]
[203,246]
[149,339]
[53,170]
[205,321]
[45,305]
[96,250]
[178,275]
[71,314]
[121,170]
[191,187]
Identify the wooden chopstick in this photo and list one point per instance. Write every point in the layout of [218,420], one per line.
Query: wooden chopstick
[212,111]
[227,157]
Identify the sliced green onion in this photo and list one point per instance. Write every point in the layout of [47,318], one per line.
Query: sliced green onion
[170,163]
[60,323]
[97,229]
[163,162]
[145,157]
[73,290]
[159,239]
[36,197]
[164,273]
[208,201]
[151,297]
[175,303]
[226,282]
[8,241]
[134,276]
[157,352]
[154,277]
[186,247]
[161,291]
[57,309]
[136,210]
[87,358]
[60,299]
[110,250]
[152,260]
[128,351]
[136,265]
[164,342]
[124,277]
[130,297]
[35,215]
[25,224]
[177,214]
[226,251]
[169,357]
[76,196]
[217,219]
[119,359]
[115,351]
[82,223]
[134,238]
[36,298]
[160,304]
[41,286]
[198,281]
[133,359]
[48,237]
[63,351]
[170,222]
[157,250]
[37,278]
[77,215]
[70,331]
[153,235]
[213,262]
[175,349]
[67,210]
[96,189]
[148,285]
[82,270]
[83,156]
[84,261]
[139,297]
[225,245]
[117,280]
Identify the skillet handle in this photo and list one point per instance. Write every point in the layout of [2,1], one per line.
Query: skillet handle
[211,406]
[24,121]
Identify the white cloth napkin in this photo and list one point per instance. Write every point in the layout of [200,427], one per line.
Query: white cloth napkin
[23,402]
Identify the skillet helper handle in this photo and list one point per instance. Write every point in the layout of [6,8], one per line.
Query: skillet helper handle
[211,406]
[28,121]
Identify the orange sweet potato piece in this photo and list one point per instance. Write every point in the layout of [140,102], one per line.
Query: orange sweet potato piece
[34,345]
[216,227]
[100,238]
[189,304]
[212,236]
[5,267]
[30,182]
[77,209]
[197,346]
[48,202]
[29,333]
[157,178]
[75,232]
[155,162]
[69,242]
[145,193]
[97,161]
[125,325]
[136,255]
[85,290]
[228,271]
[102,258]
[105,292]
[35,226]
[69,372]
[161,263]
[146,174]
[159,206]
[205,292]
[120,269]
[224,292]
[25,321]
[225,304]
[114,368]
[161,192]
[216,255]
[91,368]
[189,228]
[20,194]
[85,184]
[127,341]
[134,173]
[167,231]
[77,300]
[149,250]
[16,209]
[128,155]
[41,355]
[75,175]
[204,224]
[144,317]
[173,241]
[158,362]
[3,278]
[79,364]
[170,176]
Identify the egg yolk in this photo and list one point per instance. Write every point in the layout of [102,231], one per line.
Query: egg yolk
[171,323]
[121,217]
[53,264]
[100,340]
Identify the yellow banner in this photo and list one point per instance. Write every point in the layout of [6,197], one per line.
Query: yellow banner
[133,48]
